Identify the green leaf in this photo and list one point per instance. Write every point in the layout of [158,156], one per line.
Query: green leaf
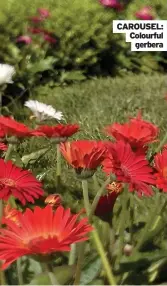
[72,76]
[141,259]
[90,271]
[17,160]
[63,275]
[34,156]
[42,65]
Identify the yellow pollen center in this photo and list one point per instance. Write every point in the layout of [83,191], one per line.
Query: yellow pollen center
[8,182]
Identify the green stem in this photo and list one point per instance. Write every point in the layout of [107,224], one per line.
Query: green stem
[146,229]
[95,182]
[96,239]
[19,272]
[79,263]
[131,215]
[82,245]
[58,164]
[2,273]
[86,196]
[161,144]
[50,273]
[8,152]
[97,197]
[101,251]
[2,277]
[72,256]
[122,226]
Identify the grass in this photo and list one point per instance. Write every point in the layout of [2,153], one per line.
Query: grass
[94,104]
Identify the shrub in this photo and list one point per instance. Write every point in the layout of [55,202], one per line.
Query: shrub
[142,61]
[83,30]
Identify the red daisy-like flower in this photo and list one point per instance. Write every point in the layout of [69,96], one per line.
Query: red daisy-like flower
[3,147]
[19,183]
[137,132]
[106,203]
[41,232]
[145,13]
[160,161]
[83,155]
[12,127]
[2,133]
[54,200]
[60,132]
[129,167]
[10,213]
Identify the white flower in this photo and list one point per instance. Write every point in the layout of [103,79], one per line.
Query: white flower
[6,73]
[43,111]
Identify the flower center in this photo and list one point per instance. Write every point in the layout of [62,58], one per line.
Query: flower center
[114,187]
[8,182]
[125,170]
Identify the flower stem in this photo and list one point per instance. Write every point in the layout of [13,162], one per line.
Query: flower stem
[82,245]
[103,257]
[79,263]
[19,272]
[2,277]
[161,144]
[50,273]
[122,224]
[86,196]
[8,152]
[72,256]
[97,197]
[96,239]
[148,224]
[58,164]
[2,273]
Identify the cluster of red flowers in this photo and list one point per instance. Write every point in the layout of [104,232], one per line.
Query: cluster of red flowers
[37,28]
[58,228]
[145,13]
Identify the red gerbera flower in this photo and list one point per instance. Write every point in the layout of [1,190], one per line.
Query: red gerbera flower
[41,231]
[129,167]
[161,168]
[19,183]
[145,13]
[84,156]
[14,128]
[106,203]
[137,132]
[54,200]
[59,132]
[2,133]
[3,147]
[10,213]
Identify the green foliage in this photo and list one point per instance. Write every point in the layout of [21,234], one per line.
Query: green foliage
[85,44]
[83,29]
[146,62]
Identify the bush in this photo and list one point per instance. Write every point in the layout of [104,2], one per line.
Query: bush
[142,61]
[83,30]
[85,43]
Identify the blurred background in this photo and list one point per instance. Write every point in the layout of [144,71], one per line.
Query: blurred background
[58,42]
